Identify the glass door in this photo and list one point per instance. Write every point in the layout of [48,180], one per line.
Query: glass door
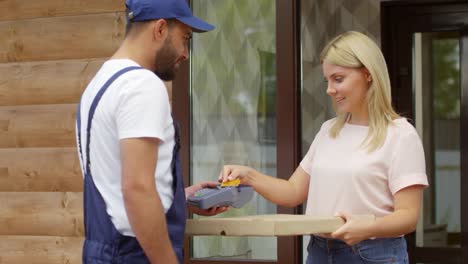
[425,46]
[437,101]
[237,102]
[233,111]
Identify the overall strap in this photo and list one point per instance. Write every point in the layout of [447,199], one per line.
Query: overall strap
[175,153]
[94,104]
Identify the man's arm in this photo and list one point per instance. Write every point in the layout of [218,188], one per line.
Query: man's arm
[142,202]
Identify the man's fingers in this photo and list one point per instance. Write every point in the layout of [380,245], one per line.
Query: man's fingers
[210,184]
[208,212]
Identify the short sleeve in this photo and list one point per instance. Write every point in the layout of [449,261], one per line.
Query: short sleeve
[408,166]
[306,163]
[143,109]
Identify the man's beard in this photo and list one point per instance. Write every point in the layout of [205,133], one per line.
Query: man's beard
[166,58]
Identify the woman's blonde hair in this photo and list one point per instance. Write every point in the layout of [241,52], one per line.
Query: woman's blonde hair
[356,50]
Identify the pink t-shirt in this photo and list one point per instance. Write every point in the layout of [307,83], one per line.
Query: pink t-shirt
[345,178]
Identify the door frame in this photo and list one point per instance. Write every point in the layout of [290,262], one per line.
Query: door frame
[399,20]
[288,120]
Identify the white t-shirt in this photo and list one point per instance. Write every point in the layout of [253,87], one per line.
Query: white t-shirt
[135,105]
[345,178]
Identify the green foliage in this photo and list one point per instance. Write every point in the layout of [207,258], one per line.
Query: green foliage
[446,78]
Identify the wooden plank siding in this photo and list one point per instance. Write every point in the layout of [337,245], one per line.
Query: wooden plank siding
[35,126]
[40,250]
[27,9]
[59,38]
[40,170]
[49,50]
[50,82]
[41,213]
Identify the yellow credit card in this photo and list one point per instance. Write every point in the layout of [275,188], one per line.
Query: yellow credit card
[235,182]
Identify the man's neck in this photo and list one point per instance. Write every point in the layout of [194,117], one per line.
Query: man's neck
[169,90]
[134,52]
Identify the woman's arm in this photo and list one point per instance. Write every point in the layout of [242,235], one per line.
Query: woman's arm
[402,221]
[288,193]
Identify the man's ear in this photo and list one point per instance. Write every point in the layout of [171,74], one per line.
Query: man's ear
[160,29]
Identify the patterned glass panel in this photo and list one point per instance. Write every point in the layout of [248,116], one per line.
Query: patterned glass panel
[321,20]
[233,97]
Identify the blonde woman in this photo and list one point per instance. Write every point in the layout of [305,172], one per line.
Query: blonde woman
[367,160]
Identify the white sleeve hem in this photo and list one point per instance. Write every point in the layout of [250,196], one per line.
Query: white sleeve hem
[420,180]
[141,134]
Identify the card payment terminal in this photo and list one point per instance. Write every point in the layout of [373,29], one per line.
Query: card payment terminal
[235,196]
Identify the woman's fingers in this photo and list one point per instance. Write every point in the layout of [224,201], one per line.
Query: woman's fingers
[223,175]
[229,173]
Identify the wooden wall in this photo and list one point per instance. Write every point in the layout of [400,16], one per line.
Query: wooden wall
[49,50]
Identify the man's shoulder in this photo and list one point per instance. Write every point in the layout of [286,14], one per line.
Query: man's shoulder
[113,66]
[137,77]
[135,82]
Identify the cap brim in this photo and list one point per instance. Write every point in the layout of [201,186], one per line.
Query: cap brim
[196,24]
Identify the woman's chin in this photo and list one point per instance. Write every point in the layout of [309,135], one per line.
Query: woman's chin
[341,111]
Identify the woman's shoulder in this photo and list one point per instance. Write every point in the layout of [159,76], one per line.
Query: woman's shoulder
[402,123]
[402,127]
[328,124]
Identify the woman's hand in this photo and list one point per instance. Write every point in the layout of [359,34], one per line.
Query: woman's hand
[402,221]
[355,229]
[232,172]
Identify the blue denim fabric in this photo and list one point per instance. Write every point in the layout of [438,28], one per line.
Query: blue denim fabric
[371,251]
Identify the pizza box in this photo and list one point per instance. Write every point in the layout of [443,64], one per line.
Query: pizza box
[265,225]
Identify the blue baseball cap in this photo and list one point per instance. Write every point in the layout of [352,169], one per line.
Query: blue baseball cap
[143,10]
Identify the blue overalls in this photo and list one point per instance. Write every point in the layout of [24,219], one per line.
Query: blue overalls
[103,243]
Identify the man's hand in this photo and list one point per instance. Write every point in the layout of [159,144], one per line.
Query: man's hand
[208,212]
[196,187]
[205,212]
